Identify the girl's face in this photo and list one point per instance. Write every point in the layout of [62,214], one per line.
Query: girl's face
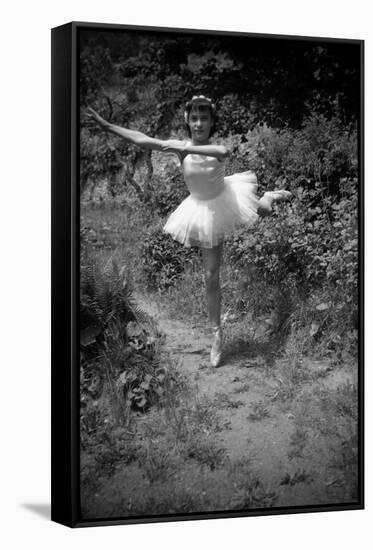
[200,123]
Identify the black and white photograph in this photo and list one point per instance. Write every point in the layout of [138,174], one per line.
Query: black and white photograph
[220,204]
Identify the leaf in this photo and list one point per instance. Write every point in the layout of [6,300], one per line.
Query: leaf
[133,329]
[122,380]
[286,479]
[150,340]
[137,344]
[322,307]
[88,335]
[255,362]
[141,403]
[314,329]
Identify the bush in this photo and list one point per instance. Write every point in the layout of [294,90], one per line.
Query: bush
[321,151]
[106,304]
[169,191]
[118,340]
[164,259]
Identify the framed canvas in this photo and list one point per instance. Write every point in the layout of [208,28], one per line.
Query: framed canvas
[207,274]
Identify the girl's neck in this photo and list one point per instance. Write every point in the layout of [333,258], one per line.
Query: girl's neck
[205,142]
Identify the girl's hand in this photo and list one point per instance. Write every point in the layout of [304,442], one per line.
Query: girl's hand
[173,146]
[92,115]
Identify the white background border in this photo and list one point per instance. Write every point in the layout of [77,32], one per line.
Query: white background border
[25,273]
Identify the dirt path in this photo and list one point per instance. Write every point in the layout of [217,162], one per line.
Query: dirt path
[259,431]
[276,436]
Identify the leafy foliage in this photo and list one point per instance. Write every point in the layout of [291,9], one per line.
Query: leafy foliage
[164,260]
[118,340]
[142,81]
[170,190]
[105,304]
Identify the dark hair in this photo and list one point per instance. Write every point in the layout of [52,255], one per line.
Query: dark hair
[207,106]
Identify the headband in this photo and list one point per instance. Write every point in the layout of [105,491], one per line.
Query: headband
[202,100]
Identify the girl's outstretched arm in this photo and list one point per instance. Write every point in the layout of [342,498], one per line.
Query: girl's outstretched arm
[137,138]
[219,151]
[165,146]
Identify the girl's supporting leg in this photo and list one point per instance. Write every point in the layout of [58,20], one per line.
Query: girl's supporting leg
[211,263]
[212,260]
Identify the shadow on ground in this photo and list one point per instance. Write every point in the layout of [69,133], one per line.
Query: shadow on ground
[249,348]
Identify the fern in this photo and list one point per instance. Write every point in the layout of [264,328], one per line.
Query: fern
[106,298]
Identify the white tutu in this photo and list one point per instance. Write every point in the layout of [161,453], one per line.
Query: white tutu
[205,221]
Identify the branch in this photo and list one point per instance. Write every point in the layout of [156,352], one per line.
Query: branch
[110,107]
[136,186]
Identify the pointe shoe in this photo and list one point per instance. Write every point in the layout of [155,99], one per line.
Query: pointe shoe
[216,350]
[280,195]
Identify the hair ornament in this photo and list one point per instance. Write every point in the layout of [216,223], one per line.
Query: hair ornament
[200,99]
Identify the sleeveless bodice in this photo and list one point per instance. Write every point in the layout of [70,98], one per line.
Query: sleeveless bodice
[204,176]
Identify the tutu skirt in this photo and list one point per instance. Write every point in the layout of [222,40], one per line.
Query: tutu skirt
[205,222]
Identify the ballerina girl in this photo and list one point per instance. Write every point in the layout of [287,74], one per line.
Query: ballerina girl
[217,204]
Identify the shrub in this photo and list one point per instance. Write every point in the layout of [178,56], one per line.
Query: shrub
[164,259]
[105,304]
[118,340]
[169,191]
[316,246]
[101,156]
[321,151]
[315,239]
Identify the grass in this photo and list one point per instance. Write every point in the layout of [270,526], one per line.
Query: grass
[258,411]
[178,299]
[256,496]
[156,462]
[298,477]
[325,426]
[298,443]
[242,389]
[223,401]
[118,238]
[205,453]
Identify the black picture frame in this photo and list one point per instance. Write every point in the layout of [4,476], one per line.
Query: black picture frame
[65,490]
